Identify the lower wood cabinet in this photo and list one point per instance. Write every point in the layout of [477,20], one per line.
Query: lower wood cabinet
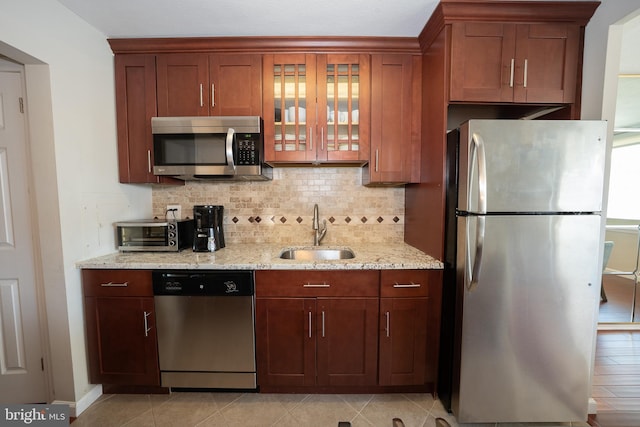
[316,328]
[404,310]
[335,330]
[120,324]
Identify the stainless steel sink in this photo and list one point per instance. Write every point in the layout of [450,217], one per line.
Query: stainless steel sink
[319,254]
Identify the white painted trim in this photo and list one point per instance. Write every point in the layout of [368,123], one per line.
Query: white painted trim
[593,406]
[619,326]
[77,408]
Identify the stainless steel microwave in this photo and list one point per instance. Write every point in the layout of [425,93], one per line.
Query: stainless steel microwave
[221,147]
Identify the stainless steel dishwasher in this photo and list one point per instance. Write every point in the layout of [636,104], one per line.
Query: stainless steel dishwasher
[205,326]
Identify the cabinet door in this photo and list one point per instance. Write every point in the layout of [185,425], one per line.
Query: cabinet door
[347,341]
[183,85]
[121,340]
[236,85]
[395,116]
[546,63]
[403,340]
[343,89]
[286,341]
[482,62]
[135,77]
[289,107]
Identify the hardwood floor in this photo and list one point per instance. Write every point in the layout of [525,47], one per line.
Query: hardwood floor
[620,293]
[616,381]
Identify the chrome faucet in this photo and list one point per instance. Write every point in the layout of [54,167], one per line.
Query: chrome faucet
[318,232]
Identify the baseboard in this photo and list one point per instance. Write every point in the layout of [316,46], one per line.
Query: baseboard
[593,406]
[76,408]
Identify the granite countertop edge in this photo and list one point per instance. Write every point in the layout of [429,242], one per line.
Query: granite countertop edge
[266,257]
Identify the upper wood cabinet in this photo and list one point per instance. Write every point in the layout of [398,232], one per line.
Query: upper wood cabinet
[316,107]
[135,79]
[395,120]
[192,84]
[521,63]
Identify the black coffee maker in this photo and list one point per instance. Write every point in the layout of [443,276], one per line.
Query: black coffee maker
[208,234]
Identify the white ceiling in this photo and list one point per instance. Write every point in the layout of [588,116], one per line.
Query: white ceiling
[201,18]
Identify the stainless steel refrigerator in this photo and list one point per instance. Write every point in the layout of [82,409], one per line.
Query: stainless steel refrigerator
[522,277]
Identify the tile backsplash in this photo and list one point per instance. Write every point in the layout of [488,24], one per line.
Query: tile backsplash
[282,210]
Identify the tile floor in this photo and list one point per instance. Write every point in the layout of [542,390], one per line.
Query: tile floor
[252,409]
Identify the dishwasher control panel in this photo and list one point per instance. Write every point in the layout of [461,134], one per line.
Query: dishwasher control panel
[203,282]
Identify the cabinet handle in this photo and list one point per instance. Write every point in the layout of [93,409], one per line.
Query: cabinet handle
[511,72]
[309,324]
[526,64]
[146,323]
[201,99]
[406,285]
[311,139]
[377,159]
[114,285]
[322,138]
[149,160]
[316,285]
[213,95]
[386,328]
[323,324]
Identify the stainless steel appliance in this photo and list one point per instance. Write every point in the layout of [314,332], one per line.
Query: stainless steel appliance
[205,326]
[154,235]
[522,277]
[209,231]
[225,147]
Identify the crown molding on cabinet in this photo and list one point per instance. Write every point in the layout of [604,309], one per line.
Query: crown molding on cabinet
[266,45]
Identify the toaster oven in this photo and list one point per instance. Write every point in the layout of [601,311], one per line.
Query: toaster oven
[154,235]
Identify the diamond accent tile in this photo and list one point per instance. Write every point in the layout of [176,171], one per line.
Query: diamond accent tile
[347,220]
[283,220]
[380,219]
[332,220]
[235,219]
[251,219]
[363,219]
[299,220]
[396,219]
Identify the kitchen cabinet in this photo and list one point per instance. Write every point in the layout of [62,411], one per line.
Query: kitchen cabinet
[316,107]
[507,62]
[192,84]
[467,50]
[120,325]
[135,80]
[316,328]
[395,120]
[404,314]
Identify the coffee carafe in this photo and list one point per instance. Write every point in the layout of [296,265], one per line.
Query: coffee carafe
[208,234]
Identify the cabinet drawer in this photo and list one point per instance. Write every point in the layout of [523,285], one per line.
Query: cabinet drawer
[314,283]
[112,283]
[406,283]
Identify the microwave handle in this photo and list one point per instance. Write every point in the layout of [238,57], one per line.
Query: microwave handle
[229,149]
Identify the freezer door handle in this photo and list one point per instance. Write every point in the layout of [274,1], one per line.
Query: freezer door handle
[478,159]
[473,266]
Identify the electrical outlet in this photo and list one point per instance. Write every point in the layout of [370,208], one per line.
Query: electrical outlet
[171,213]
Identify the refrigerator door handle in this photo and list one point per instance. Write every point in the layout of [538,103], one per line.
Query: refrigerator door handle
[473,268]
[478,158]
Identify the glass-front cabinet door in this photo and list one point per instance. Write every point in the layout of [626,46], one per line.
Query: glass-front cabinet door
[343,107]
[289,107]
[316,107]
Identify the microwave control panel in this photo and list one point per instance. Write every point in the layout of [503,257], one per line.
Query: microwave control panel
[248,152]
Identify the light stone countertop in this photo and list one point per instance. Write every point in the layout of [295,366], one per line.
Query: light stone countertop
[266,257]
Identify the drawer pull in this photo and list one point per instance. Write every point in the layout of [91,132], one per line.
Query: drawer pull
[309,324]
[316,285]
[322,323]
[407,285]
[114,285]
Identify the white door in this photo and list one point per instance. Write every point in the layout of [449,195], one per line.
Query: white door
[22,378]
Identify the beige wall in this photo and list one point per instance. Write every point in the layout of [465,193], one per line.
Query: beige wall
[281,210]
